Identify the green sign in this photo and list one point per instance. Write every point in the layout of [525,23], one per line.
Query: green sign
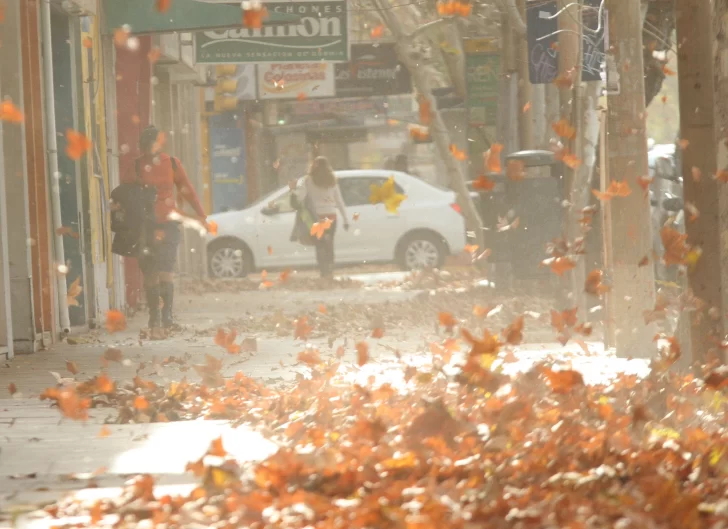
[321,33]
[142,16]
[483,82]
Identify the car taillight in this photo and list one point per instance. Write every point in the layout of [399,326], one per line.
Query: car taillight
[456,207]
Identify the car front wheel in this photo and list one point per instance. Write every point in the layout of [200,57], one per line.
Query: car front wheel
[229,260]
[421,251]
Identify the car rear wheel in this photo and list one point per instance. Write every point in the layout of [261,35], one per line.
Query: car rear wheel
[420,251]
[229,259]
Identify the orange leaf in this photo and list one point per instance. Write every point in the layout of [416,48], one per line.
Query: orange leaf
[87,43]
[103,384]
[301,96]
[489,345]
[140,403]
[154,55]
[163,5]
[212,227]
[457,153]
[10,113]
[664,99]
[564,129]
[492,158]
[644,261]
[319,228]
[471,248]
[683,143]
[571,161]
[377,332]
[216,448]
[12,388]
[377,31]
[76,144]
[362,353]
[674,243]
[616,189]
[104,432]
[113,354]
[121,36]
[593,284]
[425,110]
[483,183]
[513,334]
[270,250]
[302,329]
[516,170]
[560,265]
[115,321]
[563,381]
[419,133]
[668,71]
[69,402]
[253,18]
[72,367]
[527,107]
[310,357]
[644,182]
[447,320]
[696,173]
[722,175]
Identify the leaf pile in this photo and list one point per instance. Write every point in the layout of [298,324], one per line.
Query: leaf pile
[471,449]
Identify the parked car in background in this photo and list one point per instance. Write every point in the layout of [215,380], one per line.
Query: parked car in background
[426,229]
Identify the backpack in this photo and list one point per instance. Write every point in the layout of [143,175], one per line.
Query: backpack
[133,212]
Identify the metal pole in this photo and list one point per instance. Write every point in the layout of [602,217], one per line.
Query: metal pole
[52,146]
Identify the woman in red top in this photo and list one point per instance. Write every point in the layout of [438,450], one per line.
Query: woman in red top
[159,257]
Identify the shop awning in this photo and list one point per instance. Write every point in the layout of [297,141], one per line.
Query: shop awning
[142,16]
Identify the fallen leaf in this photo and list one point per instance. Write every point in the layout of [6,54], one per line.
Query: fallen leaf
[560,265]
[72,367]
[668,71]
[513,334]
[10,113]
[516,170]
[457,153]
[377,31]
[562,381]
[104,432]
[696,173]
[309,356]
[483,183]
[115,321]
[362,353]
[302,329]
[492,158]
[76,144]
[141,403]
[593,284]
[425,110]
[69,402]
[74,290]
[377,332]
[113,354]
[12,388]
[564,129]
[253,17]
[447,320]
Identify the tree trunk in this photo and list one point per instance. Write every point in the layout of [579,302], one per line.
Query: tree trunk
[438,130]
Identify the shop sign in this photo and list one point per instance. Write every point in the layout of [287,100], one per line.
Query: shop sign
[142,16]
[295,80]
[373,70]
[320,34]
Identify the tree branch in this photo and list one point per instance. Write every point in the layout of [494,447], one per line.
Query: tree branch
[509,8]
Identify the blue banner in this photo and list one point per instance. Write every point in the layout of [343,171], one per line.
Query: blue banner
[227,163]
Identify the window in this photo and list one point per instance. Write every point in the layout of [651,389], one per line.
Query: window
[356,191]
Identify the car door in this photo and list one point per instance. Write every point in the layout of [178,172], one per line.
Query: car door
[373,234]
[274,245]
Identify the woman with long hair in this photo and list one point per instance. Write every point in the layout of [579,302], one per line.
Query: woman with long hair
[324,198]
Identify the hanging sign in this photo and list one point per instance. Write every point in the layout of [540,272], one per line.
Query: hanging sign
[482,75]
[142,16]
[320,34]
[374,70]
[296,80]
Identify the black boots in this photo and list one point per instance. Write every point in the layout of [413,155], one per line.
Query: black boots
[166,291]
[153,304]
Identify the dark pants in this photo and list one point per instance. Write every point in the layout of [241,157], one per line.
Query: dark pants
[325,251]
[157,262]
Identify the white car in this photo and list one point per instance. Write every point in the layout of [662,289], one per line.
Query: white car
[427,227]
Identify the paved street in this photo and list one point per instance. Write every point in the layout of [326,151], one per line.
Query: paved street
[43,455]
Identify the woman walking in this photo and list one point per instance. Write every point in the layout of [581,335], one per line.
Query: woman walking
[321,193]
